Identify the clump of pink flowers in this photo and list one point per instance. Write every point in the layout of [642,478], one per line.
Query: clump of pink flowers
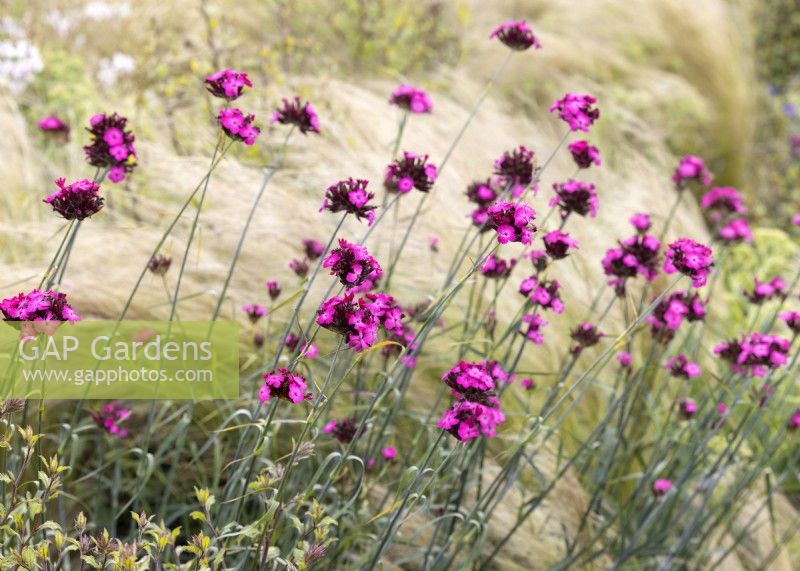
[273,289]
[53,125]
[517,35]
[410,171]
[672,310]
[691,259]
[680,366]
[301,115]
[111,146]
[110,418]
[792,320]
[515,169]
[359,320]
[512,222]
[585,335]
[722,201]
[558,244]
[352,264]
[238,126]
[637,255]
[577,110]
[467,419]
[544,293]
[688,408]
[754,353]
[314,249]
[227,83]
[344,430]
[495,267]
[254,312]
[736,230]
[38,305]
[76,201]
[482,193]
[661,487]
[584,154]
[411,99]
[284,384]
[575,196]
[691,169]
[470,381]
[350,196]
[766,291]
[535,323]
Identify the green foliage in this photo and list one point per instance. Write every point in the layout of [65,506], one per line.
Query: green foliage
[778,40]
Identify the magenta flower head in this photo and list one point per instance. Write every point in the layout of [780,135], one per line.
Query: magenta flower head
[254,312]
[577,111]
[76,201]
[528,384]
[538,258]
[558,244]
[159,264]
[624,359]
[638,255]
[273,289]
[350,196]
[584,154]
[389,453]
[299,267]
[110,418]
[680,366]
[52,125]
[308,349]
[661,487]
[496,268]
[358,321]
[754,353]
[688,408]
[515,169]
[300,115]
[691,169]
[470,381]
[517,35]
[544,293]
[641,222]
[238,126]
[792,320]
[722,201]
[766,291]
[512,222]
[38,305]
[412,171]
[411,99]
[313,249]
[344,430]
[796,219]
[111,146]
[575,196]
[691,259]
[482,193]
[466,420]
[227,83]
[794,421]
[535,324]
[585,335]
[671,311]
[433,243]
[283,384]
[352,264]
[737,230]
